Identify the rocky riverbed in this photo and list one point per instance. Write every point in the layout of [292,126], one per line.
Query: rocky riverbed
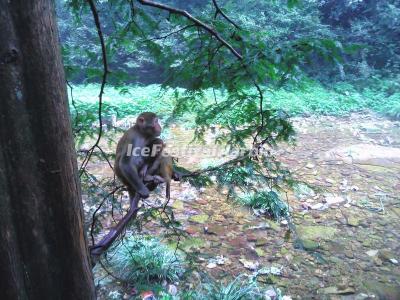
[347,215]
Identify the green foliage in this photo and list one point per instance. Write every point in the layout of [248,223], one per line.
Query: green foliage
[268,201]
[141,259]
[238,289]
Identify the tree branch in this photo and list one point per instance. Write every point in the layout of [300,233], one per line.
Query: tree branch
[169,34]
[103,83]
[196,21]
[219,11]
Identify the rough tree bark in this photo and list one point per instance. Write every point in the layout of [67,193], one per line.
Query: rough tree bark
[43,248]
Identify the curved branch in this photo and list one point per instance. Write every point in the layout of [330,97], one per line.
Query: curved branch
[103,83]
[219,11]
[196,21]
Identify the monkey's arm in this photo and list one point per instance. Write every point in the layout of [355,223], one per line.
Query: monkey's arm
[154,167]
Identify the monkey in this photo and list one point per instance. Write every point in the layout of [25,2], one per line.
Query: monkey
[159,167]
[130,150]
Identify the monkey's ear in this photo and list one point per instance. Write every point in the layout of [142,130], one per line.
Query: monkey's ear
[140,120]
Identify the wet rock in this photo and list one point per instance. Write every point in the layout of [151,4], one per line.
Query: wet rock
[385,255]
[319,206]
[177,204]
[191,243]
[349,254]
[316,232]
[250,265]
[260,252]
[303,191]
[332,199]
[274,270]
[172,290]
[273,225]
[218,218]
[366,154]
[310,245]
[199,218]
[211,265]
[192,230]
[333,290]
[261,242]
[353,221]
[270,294]
[214,229]
[372,253]
[261,226]
[238,242]
[377,261]
[382,290]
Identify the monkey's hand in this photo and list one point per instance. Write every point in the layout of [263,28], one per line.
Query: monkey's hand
[144,192]
[177,176]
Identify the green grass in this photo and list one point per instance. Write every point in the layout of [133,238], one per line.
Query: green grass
[269,201]
[307,98]
[145,260]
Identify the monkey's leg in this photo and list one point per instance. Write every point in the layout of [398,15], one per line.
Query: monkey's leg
[130,173]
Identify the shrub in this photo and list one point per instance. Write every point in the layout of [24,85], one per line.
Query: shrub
[143,260]
[269,201]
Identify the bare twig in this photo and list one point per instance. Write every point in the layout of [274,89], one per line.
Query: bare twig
[219,11]
[169,34]
[103,83]
[196,21]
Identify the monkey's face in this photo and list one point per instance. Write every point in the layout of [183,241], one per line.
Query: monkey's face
[149,125]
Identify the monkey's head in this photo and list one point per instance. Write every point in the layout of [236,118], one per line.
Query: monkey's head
[148,124]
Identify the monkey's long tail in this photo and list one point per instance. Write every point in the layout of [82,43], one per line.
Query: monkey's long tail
[168,190]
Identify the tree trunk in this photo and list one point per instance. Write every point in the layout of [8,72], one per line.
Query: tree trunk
[43,248]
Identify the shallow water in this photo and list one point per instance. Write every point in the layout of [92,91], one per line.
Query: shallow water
[349,224]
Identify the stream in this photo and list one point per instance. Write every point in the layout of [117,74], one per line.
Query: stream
[347,215]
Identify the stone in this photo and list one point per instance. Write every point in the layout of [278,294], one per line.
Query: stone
[366,154]
[333,199]
[382,290]
[372,252]
[273,225]
[211,265]
[319,206]
[199,218]
[332,290]
[260,252]
[353,221]
[385,255]
[177,204]
[316,232]
[270,293]
[302,191]
[191,230]
[310,245]
[214,229]
[250,265]
[348,254]
[261,242]
[172,290]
